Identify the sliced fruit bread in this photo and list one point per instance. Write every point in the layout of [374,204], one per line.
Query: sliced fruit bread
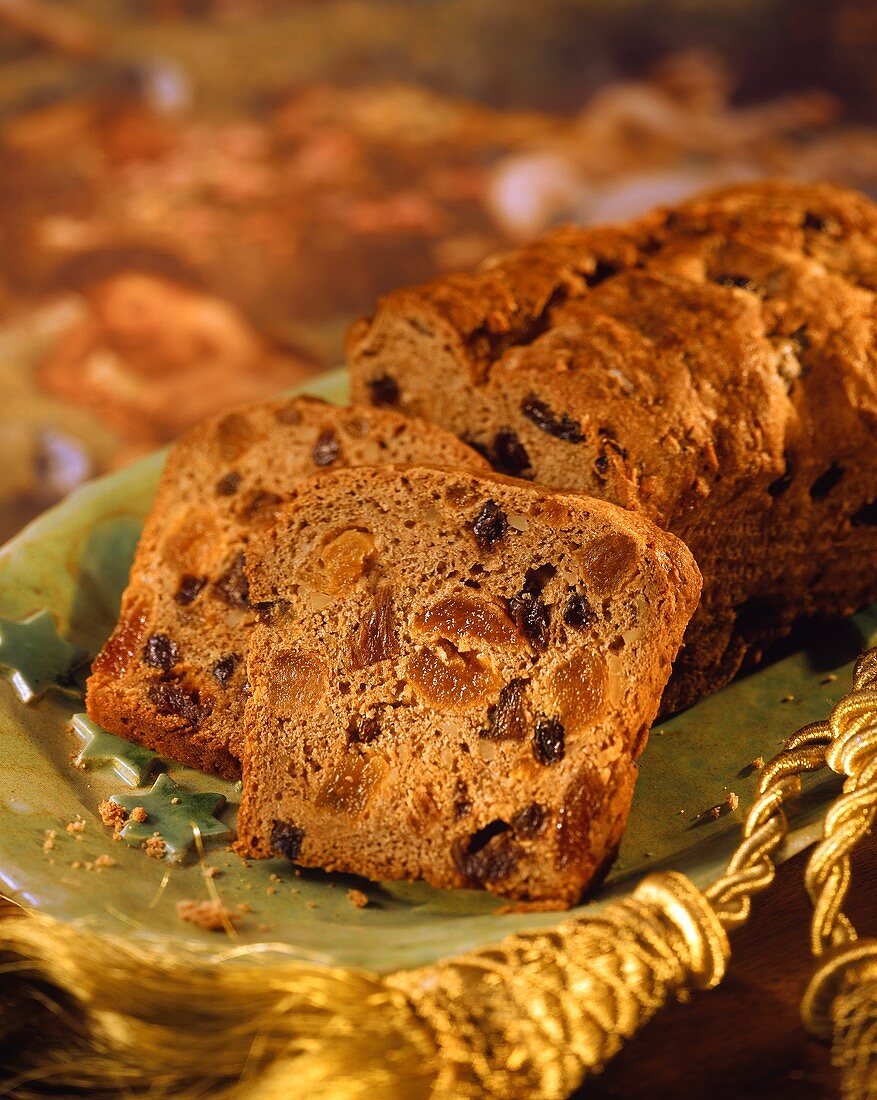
[454,677]
[173,674]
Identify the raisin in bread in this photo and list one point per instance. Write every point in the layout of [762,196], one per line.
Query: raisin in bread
[455,679]
[173,674]
[713,367]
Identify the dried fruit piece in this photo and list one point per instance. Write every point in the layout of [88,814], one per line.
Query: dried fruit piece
[577,688]
[233,588]
[823,485]
[190,586]
[376,638]
[507,720]
[578,613]
[384,391]
[350,788]
[549,741]
[235,433]
[363,731]
[446,679]
[160,652]
[489,855]
[297,680]
[192,541]
[561,427]
[223,669]
[286,838]
[489,526]
[326,449]
[261,508]
[460,617]
[779,486]
[229,484]
[173,701]
[530,821]
[343,560]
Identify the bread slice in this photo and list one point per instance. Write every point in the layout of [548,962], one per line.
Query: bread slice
[711,366]
[173,674]
[455,677]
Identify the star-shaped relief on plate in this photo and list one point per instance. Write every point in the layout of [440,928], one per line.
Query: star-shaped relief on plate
[173,814]
[133,764]
[34,657]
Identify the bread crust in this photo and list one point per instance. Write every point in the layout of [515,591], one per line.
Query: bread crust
[711,366]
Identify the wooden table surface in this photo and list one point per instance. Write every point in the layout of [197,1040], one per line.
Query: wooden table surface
[745,1039]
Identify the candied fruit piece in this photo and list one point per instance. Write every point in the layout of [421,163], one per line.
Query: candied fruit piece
[297,680]
[124,644]
[234,434]
[449,680]
[574,823]
[459,617]
[286,838]
[342,561]
[375,639]
[363,731]
[549,741]
[160,652]
[578,689]
[191,545]
[608,562]
[507,720]
[350,787]
[489,526]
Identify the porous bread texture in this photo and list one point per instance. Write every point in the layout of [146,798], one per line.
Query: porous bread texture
[711,366]
[173,674]
[455,678]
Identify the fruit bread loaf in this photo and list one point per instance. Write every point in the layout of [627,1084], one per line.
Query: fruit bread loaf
[173,674]
[713,367]
[454,678]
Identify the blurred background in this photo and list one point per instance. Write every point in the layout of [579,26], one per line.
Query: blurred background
[198,196]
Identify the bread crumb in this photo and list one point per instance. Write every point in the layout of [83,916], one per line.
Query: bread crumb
[715,812]
[155,847]
[76,827]
[104,861]
[210,872]
[830,678]
[733,801]
[310,905]
[244,907]
[758,763]
[787,699]
[209,915]
[175,801]
[48,844]
[270,890]
[138,814]
[274,878]
[357,898]
[264,927]
[111,813]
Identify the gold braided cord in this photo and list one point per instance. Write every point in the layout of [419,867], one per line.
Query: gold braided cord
[531,1016]
[841,1000]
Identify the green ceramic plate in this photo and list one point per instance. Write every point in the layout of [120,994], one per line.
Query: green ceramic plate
[74,561]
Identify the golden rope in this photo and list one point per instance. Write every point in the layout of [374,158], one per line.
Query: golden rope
[529,1017]
[841,1000]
